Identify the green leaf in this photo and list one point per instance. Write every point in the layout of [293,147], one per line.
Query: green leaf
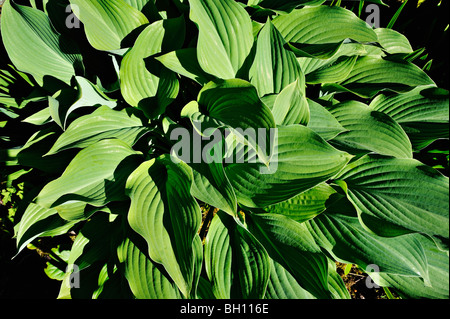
[283,285]
[236,263]
[291,105]
[283,5]
[102,124]
[185,63]
[107,23]
[347,241]
[306,205]
[156,189]
[225,35]
[422,112]
[146,278]
[369,130]
[89,245]
[323,122]
[212,186]
[414,287]
[274,67]
[402,192]
[38,221]
[302,160]
[423,104]
[96,176]
[234,104]
[51,55]
[145,83]
[323,24]
[290,244]
[392,41]
[88,95]
[336,71]
[372,74]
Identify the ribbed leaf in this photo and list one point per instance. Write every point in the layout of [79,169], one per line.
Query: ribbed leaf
[102,124]
[289,244]
[96,176]
[334,72]
[236,263]
[156,189]
[212,186]
[145,83]
[62,104]
[306,205]
[392,41]
[323,24]
[369,130]
[347,241]
[51,54]
[146,278]
[185,63]
[302,160]
[38,221]
[225,35]
[283,5]
[291,105]
[107,22]
[323,122]
[274,66]
[413,287]
[234,104]
[372,74]
[422,112]
[402,192]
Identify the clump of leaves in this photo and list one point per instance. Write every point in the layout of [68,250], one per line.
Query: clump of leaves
[111,96]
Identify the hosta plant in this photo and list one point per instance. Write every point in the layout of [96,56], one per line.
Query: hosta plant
[222,149]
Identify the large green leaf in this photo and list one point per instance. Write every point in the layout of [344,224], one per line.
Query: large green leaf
[291,105]
[335,71]
[144,81]
[107,22]
[156,189]
[146,278]
[210,183]
[38,221]
[234,104]
[96,176]
[392,41]
[323,122]
[290,244]
[402,192]
[347,241]
[64,102]
[225,35]
[274,66]
[414,287]
[283,5]
[302,160]
[51,55]
[236,263]
[323,25]
[372,74]
[185,63]
[369,130]
[212,186]
[102,124]
[422,112]
[306,205]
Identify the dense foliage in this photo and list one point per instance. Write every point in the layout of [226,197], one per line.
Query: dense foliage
[221,148]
